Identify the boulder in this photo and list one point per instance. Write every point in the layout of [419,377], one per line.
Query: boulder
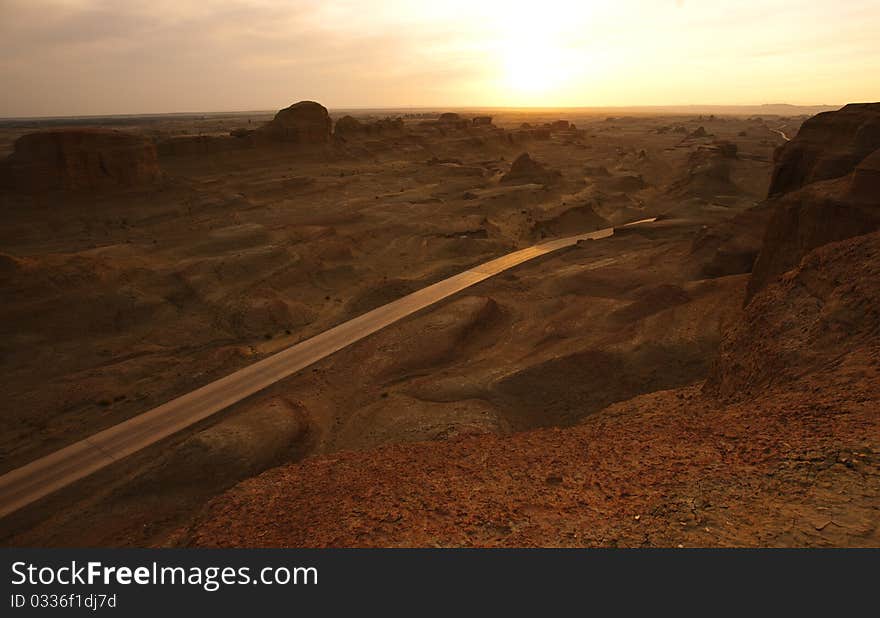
[80,159]
[526,170]
[305,123]
[828,145]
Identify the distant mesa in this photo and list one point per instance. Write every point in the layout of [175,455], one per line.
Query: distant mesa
[349,126]
[303,123]
[80,159]
[482,121]
[538,133]
[526,170]
[828,145]
[449,120]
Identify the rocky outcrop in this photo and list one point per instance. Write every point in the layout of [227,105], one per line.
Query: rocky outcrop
[811,210]
[482,121]
[523,135]
[80,159]
[526,170]
[814,316]
[731,246]
[448,121]
[816,215]
[348,126]
[570,221]
[707,175]
[828,145]
[304,123]
[865,182]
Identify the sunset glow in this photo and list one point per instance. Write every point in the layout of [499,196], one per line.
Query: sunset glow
[139,56]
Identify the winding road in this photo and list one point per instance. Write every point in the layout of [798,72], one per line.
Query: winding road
[781,133]
[43,476]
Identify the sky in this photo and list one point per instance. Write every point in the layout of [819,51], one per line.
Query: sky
[83,57]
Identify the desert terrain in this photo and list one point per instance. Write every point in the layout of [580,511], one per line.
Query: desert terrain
[709,378]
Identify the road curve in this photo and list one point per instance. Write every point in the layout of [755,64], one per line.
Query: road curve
[781,133]
[43,476]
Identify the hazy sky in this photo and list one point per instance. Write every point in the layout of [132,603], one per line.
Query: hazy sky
[70,57]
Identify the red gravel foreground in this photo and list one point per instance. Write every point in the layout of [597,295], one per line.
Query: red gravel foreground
[667,469]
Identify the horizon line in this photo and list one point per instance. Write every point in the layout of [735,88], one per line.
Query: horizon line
[428,107]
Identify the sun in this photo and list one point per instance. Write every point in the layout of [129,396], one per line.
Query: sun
[536,59]
[534,69]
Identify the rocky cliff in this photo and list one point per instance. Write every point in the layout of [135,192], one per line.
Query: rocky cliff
[80,159]
[825,186]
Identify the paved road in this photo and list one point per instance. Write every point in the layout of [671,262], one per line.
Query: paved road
[39,478]
[782,133]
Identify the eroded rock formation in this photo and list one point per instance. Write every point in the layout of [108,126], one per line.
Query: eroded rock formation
[349,126]
[825,184]
[828,145]
[305,123]
[80,159]
[526,170]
